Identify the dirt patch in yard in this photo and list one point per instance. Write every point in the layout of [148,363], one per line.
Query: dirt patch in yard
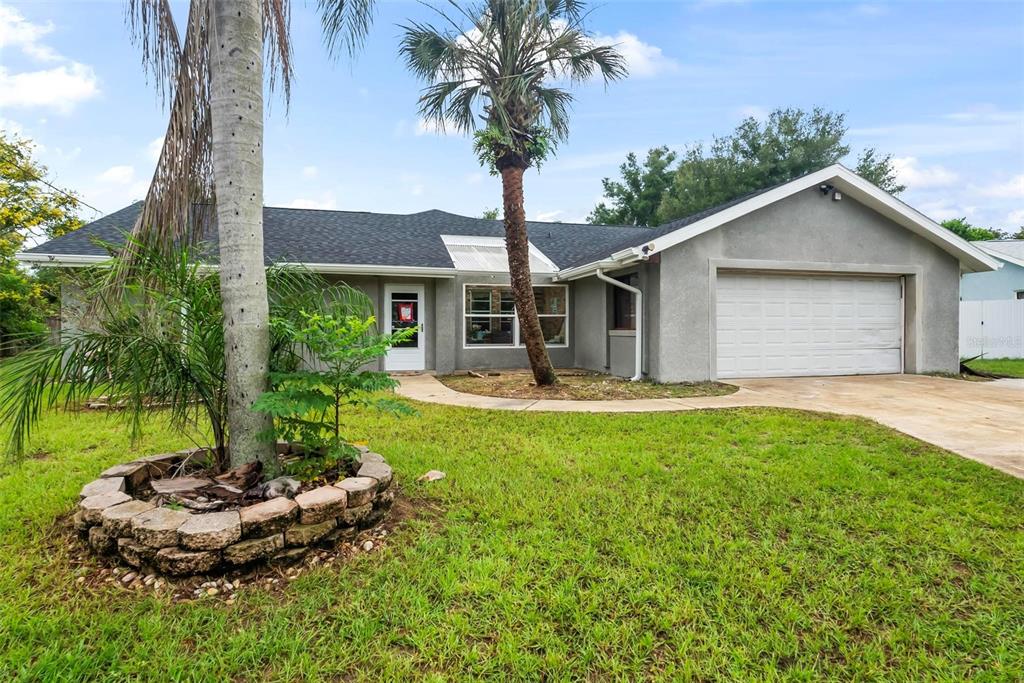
[577,386]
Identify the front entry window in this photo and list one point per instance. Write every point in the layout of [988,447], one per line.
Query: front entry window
[490,317]
[405,313]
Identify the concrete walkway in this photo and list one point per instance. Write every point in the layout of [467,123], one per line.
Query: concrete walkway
[983,421]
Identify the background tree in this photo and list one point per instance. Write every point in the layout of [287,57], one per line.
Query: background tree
[635,200]
[213,156]
[786,145]
[30,208]
[972,232]
[491,214]
[502,66]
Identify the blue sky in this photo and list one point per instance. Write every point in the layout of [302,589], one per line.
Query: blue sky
[939,85]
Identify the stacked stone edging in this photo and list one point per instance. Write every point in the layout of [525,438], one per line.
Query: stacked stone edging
[181,542]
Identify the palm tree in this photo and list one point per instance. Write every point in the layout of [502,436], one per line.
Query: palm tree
[213,157]
[161,345]
[498,61]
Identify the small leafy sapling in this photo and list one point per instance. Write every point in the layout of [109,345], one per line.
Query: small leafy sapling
[307,403]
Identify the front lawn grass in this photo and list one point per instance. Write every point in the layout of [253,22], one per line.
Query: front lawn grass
[577,385]
[732,545]
[1008,367]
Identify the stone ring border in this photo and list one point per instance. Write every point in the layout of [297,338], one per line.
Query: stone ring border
[182,543]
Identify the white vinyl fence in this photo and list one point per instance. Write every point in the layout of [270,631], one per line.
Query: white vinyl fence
[993,328]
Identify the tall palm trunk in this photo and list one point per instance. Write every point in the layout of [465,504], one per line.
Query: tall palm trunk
[236,99]
[517,243]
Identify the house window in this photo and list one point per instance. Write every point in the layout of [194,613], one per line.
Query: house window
[1020,294]
[490,315]
[624,304]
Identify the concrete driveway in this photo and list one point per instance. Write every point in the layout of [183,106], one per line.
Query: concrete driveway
[983,421]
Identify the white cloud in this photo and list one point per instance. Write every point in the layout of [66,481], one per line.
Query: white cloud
[755,111]
[12,128]
[154,148]
[58,88]
[17,31]
[327,201]
[584,162]
[1011,189]
[1015,218]
[549,215]
[310,172]
[871,9]
[909,172]
[119,185]
[986,113]
[432,127]
[644,60]
[942,209]
[117,175]
[981,128]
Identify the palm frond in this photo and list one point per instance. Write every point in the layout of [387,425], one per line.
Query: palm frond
[179,203]
[556,103]
[345,24]
[158,340]
[499,58]
[178,207]
[277,46]
[151,27]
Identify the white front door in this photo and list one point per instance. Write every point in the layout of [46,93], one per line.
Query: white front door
[403,308]
[781,325]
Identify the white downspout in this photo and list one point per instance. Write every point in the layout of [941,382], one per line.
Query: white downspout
[638,375]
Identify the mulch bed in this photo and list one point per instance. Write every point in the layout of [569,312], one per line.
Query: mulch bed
[576,385]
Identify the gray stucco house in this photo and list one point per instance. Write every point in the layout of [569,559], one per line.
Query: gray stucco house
[1005,283]
[823,275]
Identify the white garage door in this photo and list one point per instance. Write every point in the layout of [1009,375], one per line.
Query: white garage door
[771,325]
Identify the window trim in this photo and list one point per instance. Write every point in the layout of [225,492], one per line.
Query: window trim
[633,280]
[518,343]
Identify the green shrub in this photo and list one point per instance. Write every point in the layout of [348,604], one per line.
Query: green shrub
[307,403]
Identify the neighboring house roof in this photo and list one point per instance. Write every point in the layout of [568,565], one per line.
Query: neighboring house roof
[327,240]
[1011,251]
[971,258]
[354,241]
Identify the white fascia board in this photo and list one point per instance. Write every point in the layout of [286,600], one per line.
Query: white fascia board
[369,269]
[61,260]
[589,269]
[972,259]
[81,260]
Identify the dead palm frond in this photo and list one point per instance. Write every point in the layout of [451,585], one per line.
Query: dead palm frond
[179,204]
[160,345]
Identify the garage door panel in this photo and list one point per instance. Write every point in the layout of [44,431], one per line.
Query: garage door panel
[772,324]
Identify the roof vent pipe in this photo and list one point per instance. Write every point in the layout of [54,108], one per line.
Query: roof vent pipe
[638,362]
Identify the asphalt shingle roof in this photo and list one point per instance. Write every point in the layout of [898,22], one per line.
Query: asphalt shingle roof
[385,239]
[355,237]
